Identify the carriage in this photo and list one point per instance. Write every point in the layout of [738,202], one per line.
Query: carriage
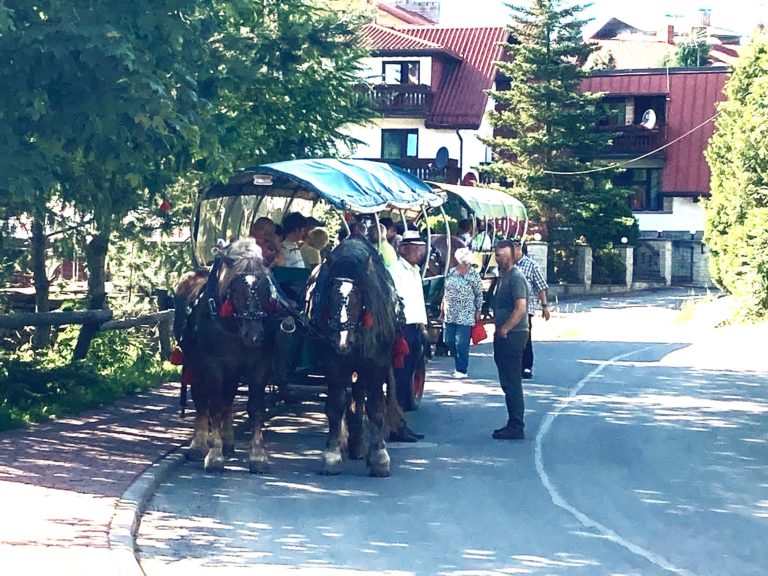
[493,215]
[329,190]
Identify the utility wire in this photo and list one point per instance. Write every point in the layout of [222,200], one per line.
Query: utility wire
[626,162]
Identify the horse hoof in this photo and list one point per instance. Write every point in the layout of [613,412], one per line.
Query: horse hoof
[378,463]
[332,463]
[214,464]
[356,451]
[258,466]
[195,454]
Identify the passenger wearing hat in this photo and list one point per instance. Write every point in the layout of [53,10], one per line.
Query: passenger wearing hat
[295,229]
[406,276]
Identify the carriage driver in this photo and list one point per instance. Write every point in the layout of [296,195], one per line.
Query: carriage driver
[406,276]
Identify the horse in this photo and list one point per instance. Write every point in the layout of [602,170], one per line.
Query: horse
[223,319]
[353,314]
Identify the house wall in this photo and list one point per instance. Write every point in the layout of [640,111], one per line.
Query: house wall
[430,141]
[686,215]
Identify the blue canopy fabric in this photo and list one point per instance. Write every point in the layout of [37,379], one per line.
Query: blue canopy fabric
[362,186]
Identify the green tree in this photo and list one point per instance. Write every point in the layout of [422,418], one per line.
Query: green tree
[106,105]
[737,212]
[693,52]
[543,123]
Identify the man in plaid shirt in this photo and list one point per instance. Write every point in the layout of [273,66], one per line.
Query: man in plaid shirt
[538,292]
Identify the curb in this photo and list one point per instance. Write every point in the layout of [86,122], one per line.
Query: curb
[122,530]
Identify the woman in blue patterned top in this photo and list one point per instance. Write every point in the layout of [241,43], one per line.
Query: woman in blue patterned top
[462,303]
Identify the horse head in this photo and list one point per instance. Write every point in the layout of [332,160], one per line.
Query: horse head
[351,302]
[246,290]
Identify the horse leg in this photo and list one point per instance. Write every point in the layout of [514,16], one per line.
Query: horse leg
[378,458]
[228,430]
[355,421]
[198,448]
[335,405]
[258,458]
[217,408]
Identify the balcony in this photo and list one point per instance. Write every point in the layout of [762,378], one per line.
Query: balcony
[425,169]
[400,100]
[632,140]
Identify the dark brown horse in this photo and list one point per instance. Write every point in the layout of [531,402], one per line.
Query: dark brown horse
[222,323]
[353,313]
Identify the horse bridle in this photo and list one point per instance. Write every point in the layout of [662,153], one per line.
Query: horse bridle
[254,308]
[337,321]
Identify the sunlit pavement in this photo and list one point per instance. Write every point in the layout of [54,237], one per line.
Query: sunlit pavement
[645,455]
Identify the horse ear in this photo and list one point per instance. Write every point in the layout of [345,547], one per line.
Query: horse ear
[228,261]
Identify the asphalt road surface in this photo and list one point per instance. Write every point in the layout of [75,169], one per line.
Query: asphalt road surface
[645,455]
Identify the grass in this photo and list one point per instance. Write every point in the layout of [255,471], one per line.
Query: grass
[38,386]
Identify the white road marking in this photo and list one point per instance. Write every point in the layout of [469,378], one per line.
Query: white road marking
[557,498]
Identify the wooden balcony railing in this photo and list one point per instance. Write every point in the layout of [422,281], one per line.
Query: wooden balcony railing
[405,100]
[425,169]
[633,140]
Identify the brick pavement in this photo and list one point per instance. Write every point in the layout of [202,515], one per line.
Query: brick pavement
[60,482]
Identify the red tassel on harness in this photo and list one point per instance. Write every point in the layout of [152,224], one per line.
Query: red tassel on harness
[177,357]
[367,320]
[400,352]
[226,310]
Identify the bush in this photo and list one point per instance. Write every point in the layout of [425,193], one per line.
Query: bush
[608,267]
[36,386]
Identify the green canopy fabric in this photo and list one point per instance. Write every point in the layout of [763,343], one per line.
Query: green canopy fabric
[485,202]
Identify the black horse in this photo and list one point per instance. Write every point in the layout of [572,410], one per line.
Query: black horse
[223,321]
[353,313]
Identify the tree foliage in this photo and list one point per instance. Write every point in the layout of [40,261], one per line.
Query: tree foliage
[106,105]
[737,213]
[543,123]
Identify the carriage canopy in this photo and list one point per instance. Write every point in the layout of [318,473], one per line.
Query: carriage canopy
[350,185]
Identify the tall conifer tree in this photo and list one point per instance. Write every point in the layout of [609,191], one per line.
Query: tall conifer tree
[543,123]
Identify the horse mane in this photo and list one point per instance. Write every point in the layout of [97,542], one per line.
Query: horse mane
[357,259]
[242,256]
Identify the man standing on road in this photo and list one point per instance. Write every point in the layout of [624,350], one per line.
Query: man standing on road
[510,313]
[406,277]
[538,290]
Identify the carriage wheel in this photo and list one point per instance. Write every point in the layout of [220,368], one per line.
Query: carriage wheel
[417,384]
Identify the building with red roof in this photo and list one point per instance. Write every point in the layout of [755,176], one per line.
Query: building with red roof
[428,85]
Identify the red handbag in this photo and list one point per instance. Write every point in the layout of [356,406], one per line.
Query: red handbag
[478,333]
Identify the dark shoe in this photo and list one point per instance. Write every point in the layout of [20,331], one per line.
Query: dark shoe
[418,435]
[402,435]
[509,434]
[527,374]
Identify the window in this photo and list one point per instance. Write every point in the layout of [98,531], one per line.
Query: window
[612,112]
[645,185]
[397,144]
[401,73]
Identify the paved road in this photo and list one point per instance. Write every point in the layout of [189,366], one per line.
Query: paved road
[645,456]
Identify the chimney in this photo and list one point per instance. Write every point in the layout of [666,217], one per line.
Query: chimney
[428,8]
[670,33]
[706,17]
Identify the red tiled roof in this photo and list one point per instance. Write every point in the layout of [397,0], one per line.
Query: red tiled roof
[387,41]
[460,100]
[693,95]
[405,15]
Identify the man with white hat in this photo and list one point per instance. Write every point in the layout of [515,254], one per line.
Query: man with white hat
[406,276]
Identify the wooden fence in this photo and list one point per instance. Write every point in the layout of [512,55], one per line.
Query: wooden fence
[103,318]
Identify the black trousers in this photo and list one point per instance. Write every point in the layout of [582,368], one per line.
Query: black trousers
[528,351]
